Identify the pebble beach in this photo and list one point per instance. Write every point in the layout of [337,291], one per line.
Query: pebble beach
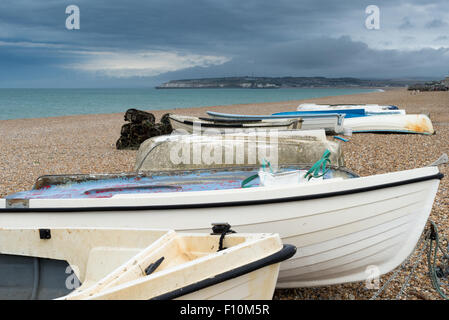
[86,144]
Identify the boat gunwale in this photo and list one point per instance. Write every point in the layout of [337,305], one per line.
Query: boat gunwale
[287,251]
[393,131]
[148,173]
[437,176]
[306,117]
[248,117]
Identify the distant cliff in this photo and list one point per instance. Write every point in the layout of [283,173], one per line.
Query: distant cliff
[282,82]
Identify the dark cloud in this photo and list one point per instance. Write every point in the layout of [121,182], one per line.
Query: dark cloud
[436,23]
[259,37]
[331,57]
[406,24]
[442,38]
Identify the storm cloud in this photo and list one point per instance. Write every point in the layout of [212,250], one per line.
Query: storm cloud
[129,43]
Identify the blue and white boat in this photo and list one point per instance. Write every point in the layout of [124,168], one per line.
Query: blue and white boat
[371,119]
[348,113]
[370,109]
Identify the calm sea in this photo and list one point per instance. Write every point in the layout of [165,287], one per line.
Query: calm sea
[39,103]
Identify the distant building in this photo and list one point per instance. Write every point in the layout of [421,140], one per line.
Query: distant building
[442,85]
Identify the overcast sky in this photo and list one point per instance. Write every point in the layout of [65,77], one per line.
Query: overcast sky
[146,42]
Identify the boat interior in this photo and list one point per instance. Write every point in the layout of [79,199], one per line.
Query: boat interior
[109,185]
[84,263]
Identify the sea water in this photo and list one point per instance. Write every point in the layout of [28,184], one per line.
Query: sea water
[41,103]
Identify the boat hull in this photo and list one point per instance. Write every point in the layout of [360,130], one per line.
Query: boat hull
[256,285]
[241,288]
[348,113]
[197,125]
[340,228]
[111,264]
[370,109]
[330,122]
[412,123]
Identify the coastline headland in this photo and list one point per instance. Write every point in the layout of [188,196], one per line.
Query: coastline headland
[280,82]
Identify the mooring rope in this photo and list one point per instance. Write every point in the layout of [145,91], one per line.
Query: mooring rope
[431,260]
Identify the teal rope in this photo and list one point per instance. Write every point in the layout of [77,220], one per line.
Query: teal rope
[248,180]
[320,165]
[432,260]
[266,162]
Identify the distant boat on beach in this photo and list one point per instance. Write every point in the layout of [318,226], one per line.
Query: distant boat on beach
[188,123]
[331,122]
[410,123]
[369,109]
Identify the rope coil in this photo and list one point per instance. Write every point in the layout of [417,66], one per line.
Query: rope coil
[432,259]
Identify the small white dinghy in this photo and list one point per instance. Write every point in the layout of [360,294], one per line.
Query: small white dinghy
[138,264]
[191,124]
[370,109]
[340,224]
[410,123]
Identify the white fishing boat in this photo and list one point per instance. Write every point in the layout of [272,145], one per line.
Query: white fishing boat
[209,125]
[191,151]
[341,224]
[330,122]
[138,264]
[370,109]
[411,123]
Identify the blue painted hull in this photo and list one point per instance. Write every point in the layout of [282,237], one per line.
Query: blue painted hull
[349,113]
[263,117]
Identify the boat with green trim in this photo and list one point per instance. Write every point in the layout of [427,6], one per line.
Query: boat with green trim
[340,223]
